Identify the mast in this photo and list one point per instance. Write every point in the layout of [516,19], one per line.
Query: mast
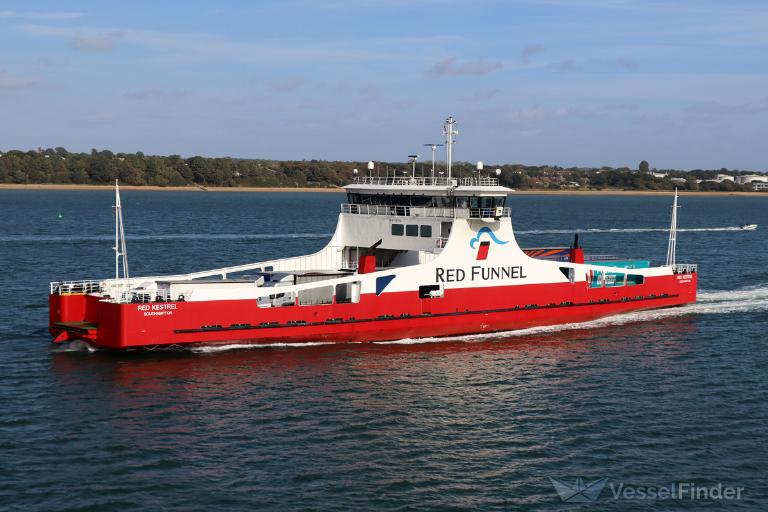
[434,147]
[449,132]
[671,247]
[121,254]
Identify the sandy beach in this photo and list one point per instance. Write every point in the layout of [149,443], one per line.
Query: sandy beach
[5,186]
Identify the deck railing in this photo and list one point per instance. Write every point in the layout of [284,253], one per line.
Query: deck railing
[685,268]
[437,181]
[75,287]
[424,211]
[144,296]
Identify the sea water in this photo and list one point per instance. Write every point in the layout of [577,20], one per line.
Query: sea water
[482,422]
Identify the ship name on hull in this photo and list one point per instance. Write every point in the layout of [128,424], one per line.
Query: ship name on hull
[478,273]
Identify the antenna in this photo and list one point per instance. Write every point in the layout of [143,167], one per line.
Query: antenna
[120,251]
[370,169]
[479,169]
[672,234]
[449,132]
[434,147]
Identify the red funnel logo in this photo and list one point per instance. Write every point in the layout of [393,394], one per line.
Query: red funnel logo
[482,251]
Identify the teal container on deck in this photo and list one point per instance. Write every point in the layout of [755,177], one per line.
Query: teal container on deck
[622,263]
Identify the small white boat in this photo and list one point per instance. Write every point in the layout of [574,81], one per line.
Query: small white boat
[748,227]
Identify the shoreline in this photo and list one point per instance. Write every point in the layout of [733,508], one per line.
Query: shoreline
[154,188]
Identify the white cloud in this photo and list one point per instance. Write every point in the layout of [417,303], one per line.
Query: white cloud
[286,84]
[531,51]
[190,46]
[41,15]
[453,67]
[10,81]
[95,42]
[154,93]
[716,108]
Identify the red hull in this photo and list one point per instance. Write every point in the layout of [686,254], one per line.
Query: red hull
[375,318]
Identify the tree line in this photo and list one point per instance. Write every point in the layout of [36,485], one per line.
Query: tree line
[58,166]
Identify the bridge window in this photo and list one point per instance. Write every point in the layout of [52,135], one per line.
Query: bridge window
[426,201]
[397,229]
[412,230]
[479,202]
[425,231]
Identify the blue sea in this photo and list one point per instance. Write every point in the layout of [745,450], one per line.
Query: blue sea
[644,401]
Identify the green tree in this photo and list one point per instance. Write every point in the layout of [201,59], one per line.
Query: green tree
[644,168]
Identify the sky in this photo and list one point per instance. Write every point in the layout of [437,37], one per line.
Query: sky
[681,84]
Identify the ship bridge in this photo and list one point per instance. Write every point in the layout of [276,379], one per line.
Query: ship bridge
[427,197]
[410,218]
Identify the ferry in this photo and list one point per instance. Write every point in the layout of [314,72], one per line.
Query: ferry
[412,256]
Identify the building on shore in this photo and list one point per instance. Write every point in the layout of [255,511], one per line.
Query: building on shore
[752,178]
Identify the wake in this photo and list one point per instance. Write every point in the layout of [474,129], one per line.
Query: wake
[282,236]
[623,230]
[179,236]
[714,302]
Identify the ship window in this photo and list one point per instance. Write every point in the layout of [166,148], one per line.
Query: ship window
[397,229]
[411,230]
[635,279]
[421,201]
[277,300]
[425,231]
[462,202]
[347,293]
[314,296]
